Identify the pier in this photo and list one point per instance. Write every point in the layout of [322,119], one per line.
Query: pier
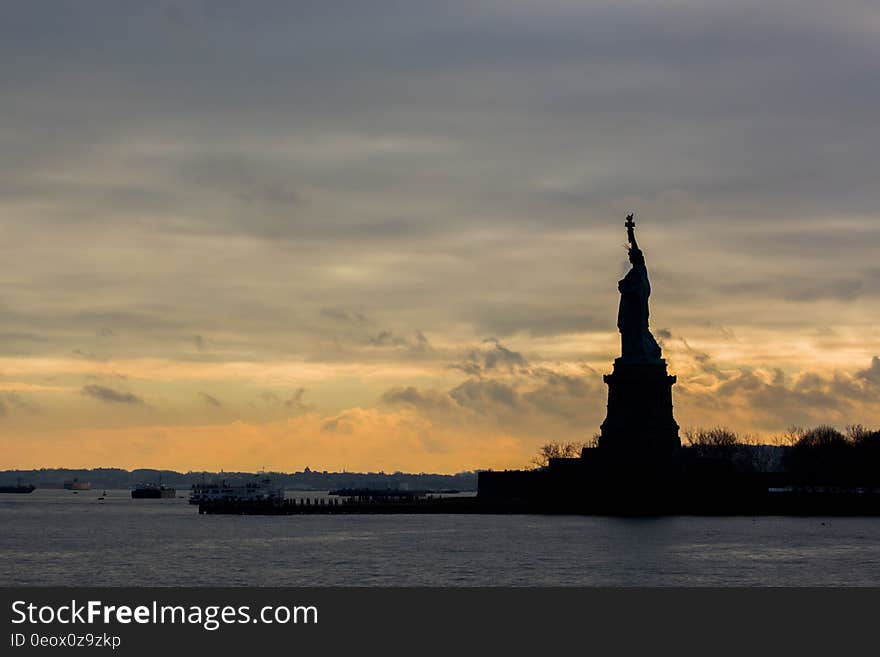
[794,502]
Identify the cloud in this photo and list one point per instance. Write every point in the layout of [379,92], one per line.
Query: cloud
[542,400]
[418,343]
[769,401]
[341,315]
[210,400]
[21,402]
[276,194]
[503,391]
[106,394]
[425,400]
[573,398]
[297,403]
[705,362]
[805,288]
[294,403]
[352,331]
[362,193]
[485,394]
[491,357]
[871,375]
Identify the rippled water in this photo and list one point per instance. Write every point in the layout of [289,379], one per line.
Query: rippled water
[53,537]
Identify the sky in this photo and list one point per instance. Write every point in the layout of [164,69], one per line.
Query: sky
[388,235]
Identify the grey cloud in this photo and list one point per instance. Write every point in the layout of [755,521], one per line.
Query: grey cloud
[106,394]
[872,374]
[418,342]
[493,356]
[24,342]
[430,400]
[296,402]
[705,362]
[434,165]
[809,397]
[270,193]
[341,315]
[88,355]
[537,318]
[112,376]
[716,83]
[534,396]
[509,391]
[210,400]
[500,357]
[800,289]
[354,328]
[481,394]
[805,399]
[15,400]
[574,398]
[530,400]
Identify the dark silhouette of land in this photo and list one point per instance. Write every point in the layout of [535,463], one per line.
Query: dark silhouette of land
[305,480]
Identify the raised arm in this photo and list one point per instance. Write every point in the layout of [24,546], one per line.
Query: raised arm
[630,231]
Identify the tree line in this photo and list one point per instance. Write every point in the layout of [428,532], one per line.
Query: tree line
[819,455]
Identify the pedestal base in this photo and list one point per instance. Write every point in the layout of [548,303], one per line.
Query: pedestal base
[639,424]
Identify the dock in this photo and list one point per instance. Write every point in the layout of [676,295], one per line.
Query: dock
[769,503]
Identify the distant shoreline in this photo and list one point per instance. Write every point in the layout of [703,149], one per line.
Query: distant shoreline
[305,480]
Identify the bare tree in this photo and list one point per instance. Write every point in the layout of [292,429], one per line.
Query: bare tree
[716,437]
[560,450]
[789,437]
[858,433]
[822,436]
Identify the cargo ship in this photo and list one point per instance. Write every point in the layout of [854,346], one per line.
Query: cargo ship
[76,484]
[153,492]
[18,488]
[260,490]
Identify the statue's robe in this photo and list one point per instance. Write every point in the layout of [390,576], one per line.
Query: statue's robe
[637,343]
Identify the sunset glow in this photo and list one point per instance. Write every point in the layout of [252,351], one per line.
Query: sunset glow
[363,249]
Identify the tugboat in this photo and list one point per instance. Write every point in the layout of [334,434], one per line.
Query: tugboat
[18,488]
[77,485]
[153,492]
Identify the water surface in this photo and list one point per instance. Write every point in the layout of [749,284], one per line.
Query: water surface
[55,537]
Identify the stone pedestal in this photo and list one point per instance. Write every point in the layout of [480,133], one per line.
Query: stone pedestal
[639,423]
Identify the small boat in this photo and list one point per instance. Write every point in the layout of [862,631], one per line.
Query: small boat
[18,488]
[153,492]
[75,485]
